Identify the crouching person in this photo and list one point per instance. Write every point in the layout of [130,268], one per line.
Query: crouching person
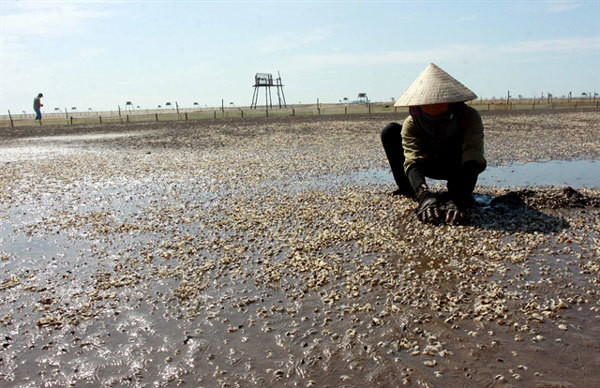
[442,138]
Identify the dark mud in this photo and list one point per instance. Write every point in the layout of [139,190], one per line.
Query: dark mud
[247,253]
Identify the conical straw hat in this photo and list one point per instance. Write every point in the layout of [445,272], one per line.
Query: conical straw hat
[434,86]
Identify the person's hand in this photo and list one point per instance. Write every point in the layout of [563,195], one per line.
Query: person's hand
[428,211]
[454,215]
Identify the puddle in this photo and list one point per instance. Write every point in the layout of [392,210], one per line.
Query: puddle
[86,137]
[574,173]
[18,154]
[52,146]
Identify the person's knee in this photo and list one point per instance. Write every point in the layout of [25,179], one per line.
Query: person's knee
[472,169]
[392,130]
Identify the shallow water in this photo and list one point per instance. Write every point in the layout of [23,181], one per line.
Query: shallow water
[84,137]
[21,153]
[574,173]
[43,147]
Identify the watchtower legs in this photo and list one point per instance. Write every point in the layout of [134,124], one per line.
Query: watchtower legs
[265,80]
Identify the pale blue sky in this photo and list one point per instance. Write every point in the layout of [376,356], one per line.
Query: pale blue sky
[100,54]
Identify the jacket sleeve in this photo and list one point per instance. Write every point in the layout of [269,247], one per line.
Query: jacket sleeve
[472,148]
[411,144]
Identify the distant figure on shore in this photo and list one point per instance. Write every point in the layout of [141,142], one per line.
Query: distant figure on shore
[37,104]
[442,138]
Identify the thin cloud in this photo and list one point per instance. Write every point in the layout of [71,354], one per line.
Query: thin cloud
[289,40]
[452,53]
[383,58]
[24,25]
[55,20]
[82,57]
[556,6]
[468,18]
[552,45]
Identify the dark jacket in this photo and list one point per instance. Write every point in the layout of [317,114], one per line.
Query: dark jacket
[444,143]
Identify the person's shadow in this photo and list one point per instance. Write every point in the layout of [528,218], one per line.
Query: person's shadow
[516,211]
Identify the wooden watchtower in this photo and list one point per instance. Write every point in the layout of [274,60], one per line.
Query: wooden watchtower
[265,80]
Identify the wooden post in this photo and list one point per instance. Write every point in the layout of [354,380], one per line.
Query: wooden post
[71,120]
[222,106]
[369,108]
[185,116]
[241,110]
[119,106]
[66,114]
[100,118]
[127,118]
[345,110]
[215,114]
[177,109]
[156,116]
[11,120]
[395,109]
[293,111]
[267,111]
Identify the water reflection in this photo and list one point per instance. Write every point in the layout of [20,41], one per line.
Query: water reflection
[573,173]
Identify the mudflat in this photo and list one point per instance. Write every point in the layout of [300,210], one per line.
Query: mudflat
[250,252]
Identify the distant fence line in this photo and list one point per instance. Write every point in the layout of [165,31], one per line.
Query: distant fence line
[184,114]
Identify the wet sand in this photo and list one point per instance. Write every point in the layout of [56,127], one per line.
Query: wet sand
[245,252]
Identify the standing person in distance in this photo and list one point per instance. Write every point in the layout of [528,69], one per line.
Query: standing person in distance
[37,104]
[442,138]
